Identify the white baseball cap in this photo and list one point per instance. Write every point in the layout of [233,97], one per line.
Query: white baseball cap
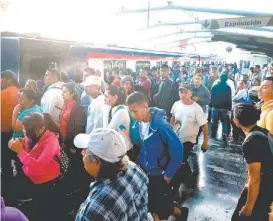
[105,143]
[92,80]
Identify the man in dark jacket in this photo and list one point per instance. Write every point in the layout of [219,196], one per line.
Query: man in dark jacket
[221,101]
[161,155]
[201,94]
[167,94]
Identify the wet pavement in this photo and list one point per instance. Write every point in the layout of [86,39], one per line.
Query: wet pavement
[222,176]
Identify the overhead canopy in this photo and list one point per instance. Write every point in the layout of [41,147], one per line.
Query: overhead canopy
[248,42]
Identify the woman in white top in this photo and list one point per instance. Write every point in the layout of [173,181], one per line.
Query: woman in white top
[119,118]
[241,95]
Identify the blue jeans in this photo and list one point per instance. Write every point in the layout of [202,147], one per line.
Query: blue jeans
[217,114]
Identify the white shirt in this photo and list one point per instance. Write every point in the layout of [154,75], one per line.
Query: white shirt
[121,122]
[52,101]
[188,120]
[95,114]
[241,94]
[229,83]
[144,130]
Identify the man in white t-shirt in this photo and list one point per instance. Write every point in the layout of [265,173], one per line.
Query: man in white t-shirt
[187,118]
[95,111]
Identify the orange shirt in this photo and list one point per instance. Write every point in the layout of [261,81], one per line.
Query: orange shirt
[9,99]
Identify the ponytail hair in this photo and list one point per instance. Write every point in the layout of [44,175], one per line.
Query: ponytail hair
[119,92]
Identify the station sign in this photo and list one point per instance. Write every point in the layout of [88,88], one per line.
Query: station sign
[241,22]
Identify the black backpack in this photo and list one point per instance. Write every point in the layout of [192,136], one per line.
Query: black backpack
[269,136]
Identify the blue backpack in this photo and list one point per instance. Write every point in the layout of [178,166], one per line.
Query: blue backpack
[133,132]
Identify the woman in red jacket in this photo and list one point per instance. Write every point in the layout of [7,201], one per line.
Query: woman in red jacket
[72,123]
[37,151]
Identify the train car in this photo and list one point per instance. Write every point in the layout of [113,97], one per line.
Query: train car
[29,57]
[105,58]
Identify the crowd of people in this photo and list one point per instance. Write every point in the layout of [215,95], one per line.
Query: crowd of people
[130,138]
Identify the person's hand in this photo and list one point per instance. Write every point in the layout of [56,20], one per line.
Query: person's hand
[16,145]
[167,179]
[245,211]
[196,99]
[204,146]
[17,109]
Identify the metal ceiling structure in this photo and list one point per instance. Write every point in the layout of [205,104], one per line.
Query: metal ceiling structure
[256,39]
[250,42]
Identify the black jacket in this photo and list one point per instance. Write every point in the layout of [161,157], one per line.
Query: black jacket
[221,96]
[166,96]
[76,125]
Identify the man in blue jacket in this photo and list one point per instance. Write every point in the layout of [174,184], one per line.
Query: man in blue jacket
[161,155]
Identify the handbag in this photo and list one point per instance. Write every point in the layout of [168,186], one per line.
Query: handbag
[64,162]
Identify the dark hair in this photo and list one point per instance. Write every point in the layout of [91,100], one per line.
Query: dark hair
[9,75]
[119,92]
[269,78]
[128,78]
[154,69]
[71,87]
[90,70]
[30,94]
[164,66]
[136,97]
[55,72]
[258,66]
[109,170]
[247,114]
[36,120]
[125,73]
[223,78]
[199,75]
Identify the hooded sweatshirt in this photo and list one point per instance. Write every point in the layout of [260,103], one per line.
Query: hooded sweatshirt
[266,119]
[161,152]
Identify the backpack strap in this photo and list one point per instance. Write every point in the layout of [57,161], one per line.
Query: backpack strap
[254,133]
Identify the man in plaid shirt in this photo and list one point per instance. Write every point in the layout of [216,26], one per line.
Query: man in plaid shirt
[120,190]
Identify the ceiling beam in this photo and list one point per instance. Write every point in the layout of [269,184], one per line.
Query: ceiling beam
[196,9]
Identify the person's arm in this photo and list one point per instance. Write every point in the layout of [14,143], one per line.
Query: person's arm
[204,99]
[254,179]
[229,99]
[16,124]
[205,130]
[175,148]
[172,120]
[269,121]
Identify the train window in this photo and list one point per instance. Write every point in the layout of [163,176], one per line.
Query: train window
[246,64]
[140,64]
[107,65]
[121,65]
[158,64]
